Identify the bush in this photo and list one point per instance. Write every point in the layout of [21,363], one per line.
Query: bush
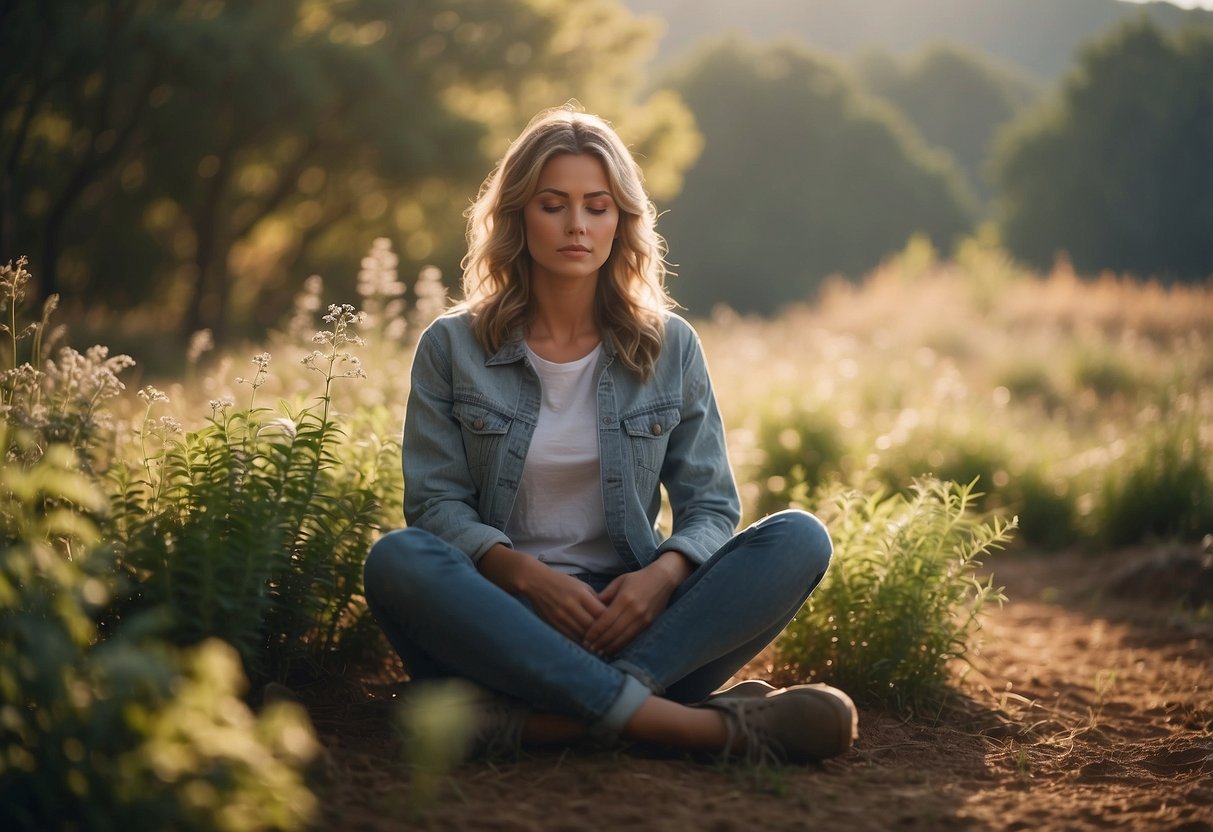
[1161,489]
[902,597]
[126,732]
[254,529]
[805,448]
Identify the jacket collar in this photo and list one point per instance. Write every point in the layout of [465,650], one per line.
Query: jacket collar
[515,350]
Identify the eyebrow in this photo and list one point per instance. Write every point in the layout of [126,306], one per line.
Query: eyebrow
[566,196]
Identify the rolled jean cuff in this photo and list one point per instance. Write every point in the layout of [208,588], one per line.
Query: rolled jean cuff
[635,672]
[629,700]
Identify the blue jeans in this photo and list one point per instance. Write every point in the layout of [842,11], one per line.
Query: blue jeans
[446,619]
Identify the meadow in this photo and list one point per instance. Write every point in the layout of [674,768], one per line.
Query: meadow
[176,547]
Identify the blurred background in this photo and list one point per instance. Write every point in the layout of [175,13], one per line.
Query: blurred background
[174,165]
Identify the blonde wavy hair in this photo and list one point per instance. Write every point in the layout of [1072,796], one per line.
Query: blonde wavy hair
[631,296]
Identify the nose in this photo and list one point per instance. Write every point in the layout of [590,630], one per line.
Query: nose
[576,222]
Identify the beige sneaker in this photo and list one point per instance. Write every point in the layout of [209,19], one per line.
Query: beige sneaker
[747,689]
[792,725]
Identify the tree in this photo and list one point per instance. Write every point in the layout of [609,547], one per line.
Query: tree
[956,98]
[208,155]
[801,177]
[1117,170]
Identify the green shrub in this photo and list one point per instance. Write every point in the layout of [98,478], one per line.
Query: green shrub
[1105,373]
[1047,509]
[804,448]
[123,733]
[49,400]
[1032,382]
[254,529]
[902,597]
[1161,489]
[955,453]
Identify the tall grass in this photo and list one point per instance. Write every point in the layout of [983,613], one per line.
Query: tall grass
[1044,387]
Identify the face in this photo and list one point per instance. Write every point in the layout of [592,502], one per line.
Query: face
[572,219]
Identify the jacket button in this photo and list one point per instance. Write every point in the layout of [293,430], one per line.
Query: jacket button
[478,423]
[656,429]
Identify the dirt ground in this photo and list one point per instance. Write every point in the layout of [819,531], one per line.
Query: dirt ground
[1088,707]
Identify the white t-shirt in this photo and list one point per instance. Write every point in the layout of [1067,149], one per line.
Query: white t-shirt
[558,513]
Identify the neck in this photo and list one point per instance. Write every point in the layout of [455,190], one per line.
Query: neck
[563,326]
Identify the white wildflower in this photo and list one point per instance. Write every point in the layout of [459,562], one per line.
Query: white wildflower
[151,395]
[282,426]
[201,342]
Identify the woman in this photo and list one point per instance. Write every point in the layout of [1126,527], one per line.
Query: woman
[546,410]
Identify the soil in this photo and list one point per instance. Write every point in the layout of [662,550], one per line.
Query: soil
[1088,706]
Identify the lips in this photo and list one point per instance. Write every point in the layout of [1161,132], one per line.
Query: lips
[574,250]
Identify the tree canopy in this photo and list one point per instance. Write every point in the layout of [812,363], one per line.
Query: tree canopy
[955,97]
[801,176]
[207,155]
[1117,170]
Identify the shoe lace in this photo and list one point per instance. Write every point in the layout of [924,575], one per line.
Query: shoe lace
[757,746]
[499,722]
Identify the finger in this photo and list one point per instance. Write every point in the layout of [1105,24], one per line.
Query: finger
[594,634]
[608,594]
[592,604]
[620,636]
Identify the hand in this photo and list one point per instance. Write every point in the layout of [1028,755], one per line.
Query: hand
[561,600]
[633,602]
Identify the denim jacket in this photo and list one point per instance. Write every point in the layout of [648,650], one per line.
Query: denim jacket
[470,420]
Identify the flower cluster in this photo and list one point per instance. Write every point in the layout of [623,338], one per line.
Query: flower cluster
[13,282]
[381,290]
[262,362]
[342,317]
[307,304]
[201,342]
[430,296]
[151,395]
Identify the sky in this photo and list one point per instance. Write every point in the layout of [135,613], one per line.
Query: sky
[1187,4]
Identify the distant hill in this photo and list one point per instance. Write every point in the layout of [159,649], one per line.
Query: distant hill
[1041,36]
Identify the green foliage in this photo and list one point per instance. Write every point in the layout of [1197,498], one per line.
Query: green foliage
[801,177]
[121,733]
[956,98]
[1116,170]
[804,448]
[254,528]
[298,128]
[1162,489]
[46,401]
[1105,373]
[902,597]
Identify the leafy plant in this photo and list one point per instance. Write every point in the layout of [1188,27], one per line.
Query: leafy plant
[902,597]
[51,400]
[125,732]
[1161,489]
[804,447]
[254,528]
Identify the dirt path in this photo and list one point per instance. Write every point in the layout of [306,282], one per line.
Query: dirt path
[1089,707]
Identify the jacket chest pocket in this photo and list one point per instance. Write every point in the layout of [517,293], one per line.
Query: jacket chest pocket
[484,430]
[648,435]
